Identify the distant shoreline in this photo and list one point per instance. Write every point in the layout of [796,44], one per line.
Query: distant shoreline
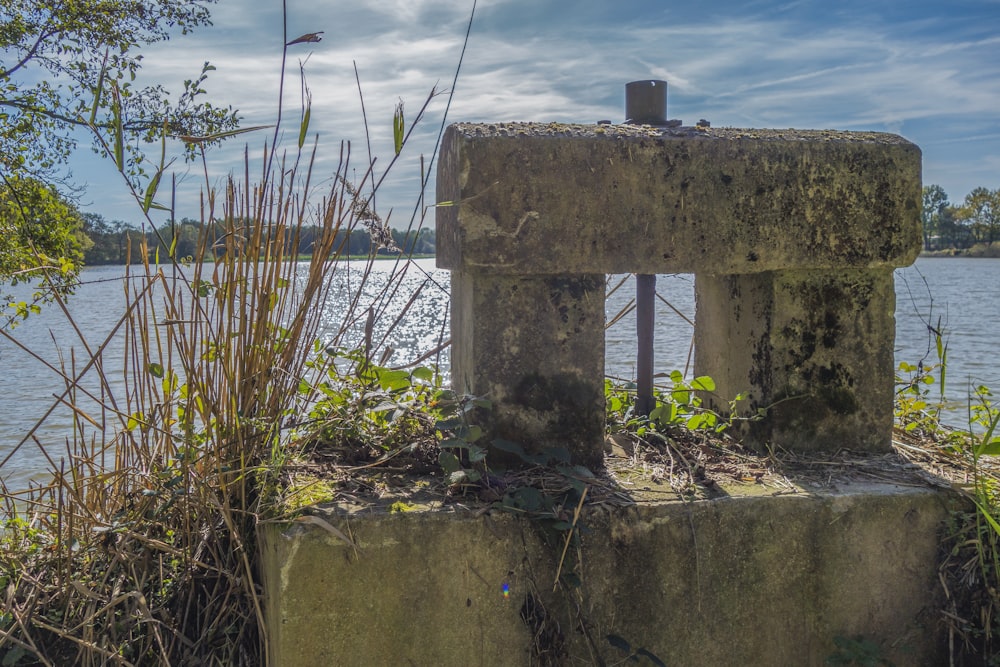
[306,258]
[975,252]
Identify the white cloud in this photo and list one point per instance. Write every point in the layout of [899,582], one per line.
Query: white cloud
[766,65]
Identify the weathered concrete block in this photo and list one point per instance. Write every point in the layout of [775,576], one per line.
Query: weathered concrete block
[534,346]
[791,235]
[748,581]
[815,347]
[533,198]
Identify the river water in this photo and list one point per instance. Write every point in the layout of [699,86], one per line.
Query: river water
[960,295]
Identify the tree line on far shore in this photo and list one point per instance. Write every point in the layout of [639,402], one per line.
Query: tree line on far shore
[110,240]
[974,222]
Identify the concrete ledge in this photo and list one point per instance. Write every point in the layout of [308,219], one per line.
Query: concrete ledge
[536,198]
[739,580]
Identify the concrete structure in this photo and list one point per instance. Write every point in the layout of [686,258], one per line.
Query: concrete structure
[792,237]
[739,580]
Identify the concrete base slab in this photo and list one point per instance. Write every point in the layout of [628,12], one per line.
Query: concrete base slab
[738,580]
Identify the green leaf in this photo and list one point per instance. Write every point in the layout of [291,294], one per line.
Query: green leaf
[423,373]
[99,89]
[529,499]
[482,403]
[398,128]
[394,380]
[991,427]
[154,184]
[134,420]
[991,448]
[449,462]
[703,383]
[511,448]
[189,139]
[304,126]
[463,477]
[476,454]
[118,141]
[701,421]
[448,424]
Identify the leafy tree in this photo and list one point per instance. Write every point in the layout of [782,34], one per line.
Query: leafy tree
[176,239]
[952,234]
[935,202]
[72,65]
[68,69]
[110,240]
[414,242]
[981,213]
[41,239]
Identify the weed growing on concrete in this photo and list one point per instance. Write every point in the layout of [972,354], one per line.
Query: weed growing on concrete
[970,572]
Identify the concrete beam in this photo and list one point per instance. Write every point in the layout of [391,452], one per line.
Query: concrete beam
[535,198]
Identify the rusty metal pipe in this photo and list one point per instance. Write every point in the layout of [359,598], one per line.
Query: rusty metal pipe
[645,104]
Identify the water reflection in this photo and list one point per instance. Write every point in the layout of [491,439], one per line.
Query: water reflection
[407,304]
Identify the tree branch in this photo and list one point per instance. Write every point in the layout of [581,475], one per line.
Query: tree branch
[42,36]
[134,126]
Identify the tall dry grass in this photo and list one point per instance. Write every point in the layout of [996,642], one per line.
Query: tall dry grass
[141,550]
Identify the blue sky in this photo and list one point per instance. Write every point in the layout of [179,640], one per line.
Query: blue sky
[929,71]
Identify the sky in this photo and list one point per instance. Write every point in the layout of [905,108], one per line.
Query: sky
[929,71]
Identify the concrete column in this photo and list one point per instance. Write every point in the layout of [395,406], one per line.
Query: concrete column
[815,347]
[534,346]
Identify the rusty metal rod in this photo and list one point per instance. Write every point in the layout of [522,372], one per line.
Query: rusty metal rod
[645,104]
[645,307]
